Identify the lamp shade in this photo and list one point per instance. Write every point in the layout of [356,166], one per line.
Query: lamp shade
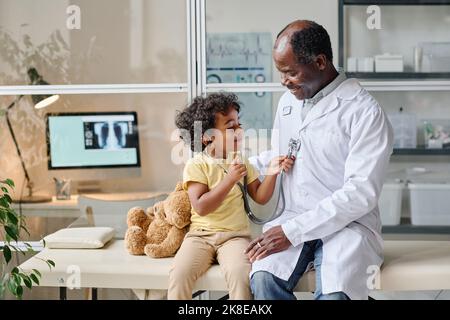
[42,101]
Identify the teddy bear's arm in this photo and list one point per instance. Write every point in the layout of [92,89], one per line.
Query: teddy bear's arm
[169,246]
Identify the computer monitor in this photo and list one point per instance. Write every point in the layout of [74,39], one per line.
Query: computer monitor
[106,140]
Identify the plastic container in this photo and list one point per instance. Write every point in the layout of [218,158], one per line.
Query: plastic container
[390,203]
[405,129]
[435,56]
[430,204]
[436,133]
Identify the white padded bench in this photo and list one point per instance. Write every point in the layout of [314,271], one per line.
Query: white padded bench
[408,265]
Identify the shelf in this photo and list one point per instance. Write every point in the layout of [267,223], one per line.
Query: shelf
[421,151]
[405,227]
[399,75]
[381,77]
[397,2]
[411,229]
[402,81]
[406,85]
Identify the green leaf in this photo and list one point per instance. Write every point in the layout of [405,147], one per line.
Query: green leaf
[22,275]
[37,272]
[34,278]
[19,288]
[51,263]
[5,190]
[16,278]
[11,232]
[9,182]
[27,282]
[12,286]
[15,270]
[25,229]
[4,203]
[19,292]
[12,217]
[18,249]
[7,197]
[7,253]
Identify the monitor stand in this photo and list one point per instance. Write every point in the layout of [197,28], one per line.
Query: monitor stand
[84,187]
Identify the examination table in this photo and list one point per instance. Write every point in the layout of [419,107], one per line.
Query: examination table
[408,265]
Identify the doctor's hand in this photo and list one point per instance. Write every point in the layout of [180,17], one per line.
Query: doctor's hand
[272,241]
[278,164]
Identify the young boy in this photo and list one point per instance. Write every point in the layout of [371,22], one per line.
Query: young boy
[219,229]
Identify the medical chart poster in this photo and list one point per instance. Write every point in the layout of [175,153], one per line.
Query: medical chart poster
[243,58]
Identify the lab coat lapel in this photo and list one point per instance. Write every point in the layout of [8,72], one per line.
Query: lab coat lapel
[324,106]
[347,90]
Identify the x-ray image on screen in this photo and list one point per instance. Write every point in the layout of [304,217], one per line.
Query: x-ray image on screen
[108,135]
[84,140]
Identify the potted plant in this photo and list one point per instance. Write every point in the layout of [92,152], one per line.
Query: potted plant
[12,278]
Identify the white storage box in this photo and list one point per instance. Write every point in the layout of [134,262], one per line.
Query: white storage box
[430,204]
[365,64]
[390,203]
[352,64]
[388,63]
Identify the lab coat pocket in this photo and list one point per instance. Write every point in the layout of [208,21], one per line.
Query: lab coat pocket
[326,142]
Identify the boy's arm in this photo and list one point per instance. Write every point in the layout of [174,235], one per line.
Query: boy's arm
[261,192]
[205,201]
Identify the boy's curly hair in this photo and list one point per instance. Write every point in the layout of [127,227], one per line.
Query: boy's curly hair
[204,110]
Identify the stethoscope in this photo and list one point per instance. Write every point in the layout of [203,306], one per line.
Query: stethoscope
[293,148]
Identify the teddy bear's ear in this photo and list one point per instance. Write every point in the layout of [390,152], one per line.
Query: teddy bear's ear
[159,210]
[150,211]
[179,186]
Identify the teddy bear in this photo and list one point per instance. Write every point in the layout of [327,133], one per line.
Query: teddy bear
[159,231]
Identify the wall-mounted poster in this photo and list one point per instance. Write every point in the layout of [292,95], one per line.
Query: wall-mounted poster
[243,58]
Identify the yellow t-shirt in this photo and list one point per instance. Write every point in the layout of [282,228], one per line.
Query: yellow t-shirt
[230,215]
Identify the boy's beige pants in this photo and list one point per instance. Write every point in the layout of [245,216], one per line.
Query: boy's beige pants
[201,249]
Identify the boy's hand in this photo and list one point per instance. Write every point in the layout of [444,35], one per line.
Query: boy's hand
[236,171]
[278,164]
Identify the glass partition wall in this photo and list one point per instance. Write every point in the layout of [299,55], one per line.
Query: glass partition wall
[151,57]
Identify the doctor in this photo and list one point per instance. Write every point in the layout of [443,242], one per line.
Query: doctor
[331,219]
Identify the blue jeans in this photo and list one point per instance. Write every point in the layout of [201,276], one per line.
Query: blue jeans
[266,286]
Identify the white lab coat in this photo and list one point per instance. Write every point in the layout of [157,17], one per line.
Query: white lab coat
[333,189]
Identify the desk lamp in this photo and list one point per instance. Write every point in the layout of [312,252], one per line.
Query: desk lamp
[40,101]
